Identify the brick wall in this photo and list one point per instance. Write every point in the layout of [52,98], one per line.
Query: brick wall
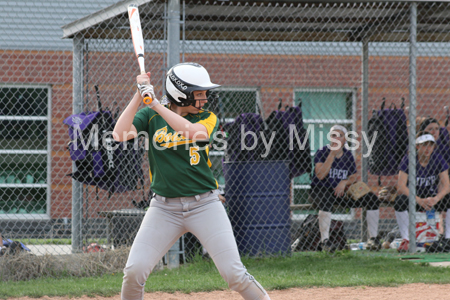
[276,75]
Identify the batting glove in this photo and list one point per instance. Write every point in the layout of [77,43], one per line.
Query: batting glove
[146,90]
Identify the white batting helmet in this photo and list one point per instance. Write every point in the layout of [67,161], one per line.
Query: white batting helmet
[182,79]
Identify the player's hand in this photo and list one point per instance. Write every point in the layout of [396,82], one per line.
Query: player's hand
[340,189]
[222,198]
[334,153]
[432,201]
[143,78]
[424,203]
[146,89]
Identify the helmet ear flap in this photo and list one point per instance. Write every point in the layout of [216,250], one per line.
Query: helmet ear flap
[173,93]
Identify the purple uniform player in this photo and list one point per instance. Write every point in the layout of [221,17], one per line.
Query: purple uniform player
[432,187]
[335,170]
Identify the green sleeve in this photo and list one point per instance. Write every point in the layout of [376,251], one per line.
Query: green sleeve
[141,118]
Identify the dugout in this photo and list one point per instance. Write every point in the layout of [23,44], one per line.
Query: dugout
[225,34]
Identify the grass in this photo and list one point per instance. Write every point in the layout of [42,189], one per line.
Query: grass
[300,270]
[56,241]
[45,241]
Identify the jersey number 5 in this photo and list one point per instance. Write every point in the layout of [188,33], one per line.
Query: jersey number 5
[195,157]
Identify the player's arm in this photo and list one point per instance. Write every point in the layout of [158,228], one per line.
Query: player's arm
[322,169]
[192,131]
[444,185]
[339,190]
[350,180]
[353,177]
[402,188]
[124,129]
[443,188]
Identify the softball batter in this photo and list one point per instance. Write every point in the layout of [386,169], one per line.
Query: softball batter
[186,192]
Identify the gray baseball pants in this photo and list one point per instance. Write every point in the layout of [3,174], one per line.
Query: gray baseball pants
[166,220]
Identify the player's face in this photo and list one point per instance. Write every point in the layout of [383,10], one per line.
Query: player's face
[433,128]
[425,149]
[337,136]
[201,100]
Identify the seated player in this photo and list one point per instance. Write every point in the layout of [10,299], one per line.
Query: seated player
[432,187]
[442,147]
[334,172]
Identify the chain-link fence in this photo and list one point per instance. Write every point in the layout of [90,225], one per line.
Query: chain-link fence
[289,72]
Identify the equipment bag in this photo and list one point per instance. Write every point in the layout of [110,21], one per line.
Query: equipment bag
[100,160]
[251,147]
[300,155]
[443,144]
[308,237]
[389,128]
[290,142]
[249,123]
[13,247]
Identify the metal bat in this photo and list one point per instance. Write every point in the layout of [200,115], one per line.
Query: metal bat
[138,42]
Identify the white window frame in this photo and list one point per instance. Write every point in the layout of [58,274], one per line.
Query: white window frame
[353,91]
[45,216]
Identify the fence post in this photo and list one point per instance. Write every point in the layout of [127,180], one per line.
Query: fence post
[77,107]
[412,128]
[364,124]
[173,58]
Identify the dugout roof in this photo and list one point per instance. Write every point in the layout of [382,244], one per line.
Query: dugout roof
[343,21]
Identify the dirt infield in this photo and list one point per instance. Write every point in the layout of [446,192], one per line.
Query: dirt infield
[417,291]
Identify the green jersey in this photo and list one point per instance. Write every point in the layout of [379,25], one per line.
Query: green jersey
[178,166]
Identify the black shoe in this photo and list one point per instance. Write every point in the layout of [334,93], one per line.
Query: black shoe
[328,246]
[373,244]
[442,245]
